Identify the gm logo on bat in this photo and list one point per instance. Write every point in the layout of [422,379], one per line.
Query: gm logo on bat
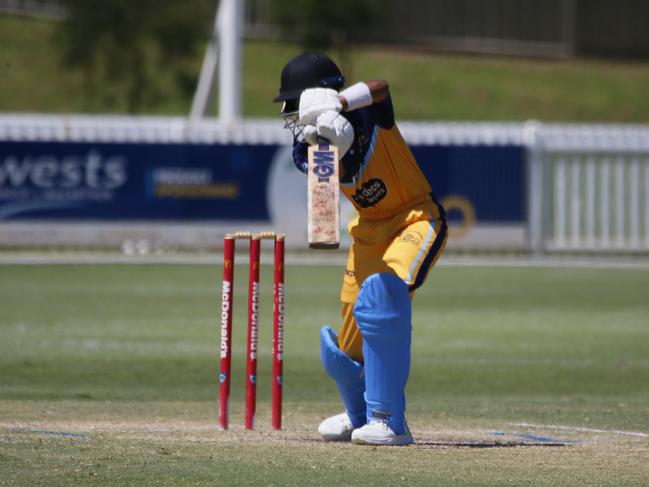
[323,165]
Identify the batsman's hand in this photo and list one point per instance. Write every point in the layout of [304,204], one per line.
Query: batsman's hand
[337,130]
[310,134]
[316,101]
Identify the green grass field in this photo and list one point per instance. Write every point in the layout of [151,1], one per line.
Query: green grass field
[425,86]
[108,375]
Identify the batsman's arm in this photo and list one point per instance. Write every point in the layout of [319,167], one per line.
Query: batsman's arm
[363,94]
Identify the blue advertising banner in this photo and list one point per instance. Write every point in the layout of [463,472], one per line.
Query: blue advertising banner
[489,178]
[90,181]
[194,182]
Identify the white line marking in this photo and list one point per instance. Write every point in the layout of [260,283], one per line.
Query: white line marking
[334,258]
[638,263]
[577,428]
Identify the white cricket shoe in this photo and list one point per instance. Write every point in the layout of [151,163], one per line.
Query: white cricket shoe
[336,428]
[379,433]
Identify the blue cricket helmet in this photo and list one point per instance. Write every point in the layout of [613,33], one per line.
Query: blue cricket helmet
[308,70]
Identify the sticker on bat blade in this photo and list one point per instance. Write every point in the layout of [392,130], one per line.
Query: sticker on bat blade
[323,165]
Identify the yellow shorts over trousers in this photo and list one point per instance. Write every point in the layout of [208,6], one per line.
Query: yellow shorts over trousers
[407,244]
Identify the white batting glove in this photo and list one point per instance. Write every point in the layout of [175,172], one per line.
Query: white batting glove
[336,129]
[310,134]
[315,101]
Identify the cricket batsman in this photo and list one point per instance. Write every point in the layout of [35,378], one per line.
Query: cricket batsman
[399,234]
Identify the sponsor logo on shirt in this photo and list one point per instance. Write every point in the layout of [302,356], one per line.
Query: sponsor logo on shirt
[370,193]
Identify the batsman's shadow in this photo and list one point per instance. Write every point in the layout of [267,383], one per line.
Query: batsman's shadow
[486,444]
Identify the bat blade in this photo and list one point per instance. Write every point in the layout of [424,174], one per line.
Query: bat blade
[323,197]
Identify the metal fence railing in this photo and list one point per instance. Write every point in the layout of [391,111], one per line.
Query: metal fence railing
[535,28]
[44,9]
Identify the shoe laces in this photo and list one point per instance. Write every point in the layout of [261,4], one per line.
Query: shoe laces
[346,421]
[380,424]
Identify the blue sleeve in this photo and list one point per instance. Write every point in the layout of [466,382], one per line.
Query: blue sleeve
[364,125]
[383,113]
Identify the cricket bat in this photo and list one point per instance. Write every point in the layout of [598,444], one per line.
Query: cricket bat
[323,196]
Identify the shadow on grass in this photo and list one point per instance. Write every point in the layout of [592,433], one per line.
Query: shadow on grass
[485,444]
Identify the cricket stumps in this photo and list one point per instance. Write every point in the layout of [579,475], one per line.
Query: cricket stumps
[252,347]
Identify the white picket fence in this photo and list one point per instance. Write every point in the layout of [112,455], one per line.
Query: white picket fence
[588,188]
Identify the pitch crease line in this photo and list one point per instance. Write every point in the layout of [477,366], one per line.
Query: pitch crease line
[585,430]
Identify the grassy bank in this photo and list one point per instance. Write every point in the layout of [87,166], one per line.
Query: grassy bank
[424,85]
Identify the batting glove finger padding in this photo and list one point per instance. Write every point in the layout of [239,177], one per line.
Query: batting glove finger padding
[337,130]
[310,134]
[316,101]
